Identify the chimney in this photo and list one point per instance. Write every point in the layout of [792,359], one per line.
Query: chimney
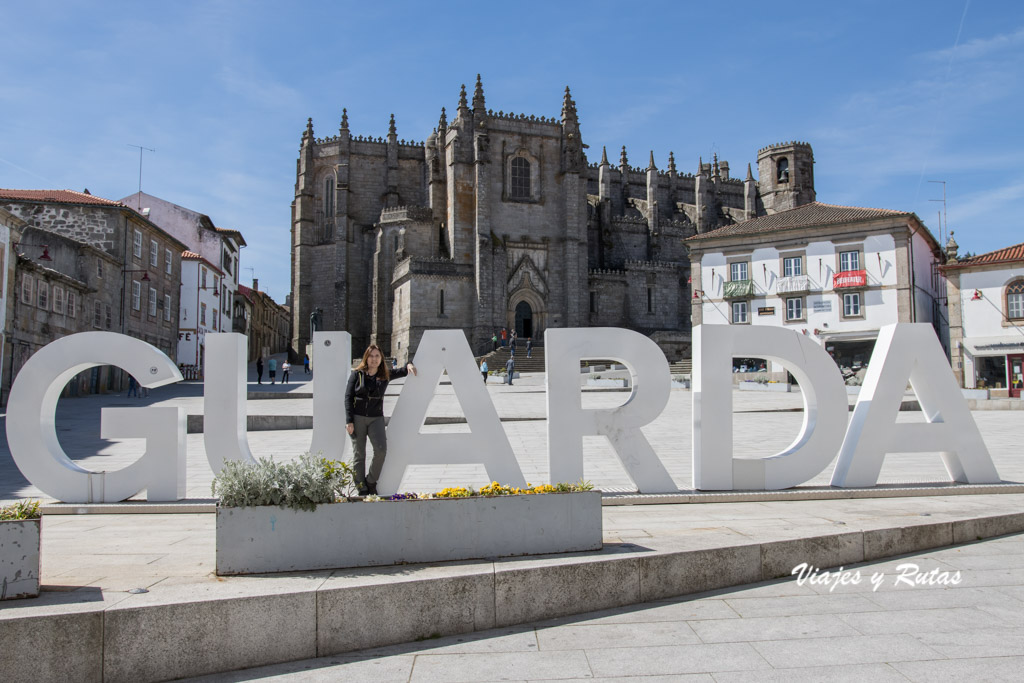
[255,285]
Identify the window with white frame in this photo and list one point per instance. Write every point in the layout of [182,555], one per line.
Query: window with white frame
[72,304]
[43,295]
[1015,300]
[795,308]
[99,267]
[849,260]
[216,317]
[792,266]
[58,300]
[137,244]
[202,277]
[202,314]
[136,295]
[740,312]
[167,306]
[152,302]
[167,261]
[738,271]
[851,304]
[154,253]
[97,314]
[26,289]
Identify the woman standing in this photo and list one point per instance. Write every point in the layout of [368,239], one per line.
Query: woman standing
[364,414]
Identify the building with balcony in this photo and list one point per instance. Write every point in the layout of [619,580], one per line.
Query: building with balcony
[986,319]
[834,273]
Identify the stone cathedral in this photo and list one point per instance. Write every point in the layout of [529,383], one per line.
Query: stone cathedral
[499,220]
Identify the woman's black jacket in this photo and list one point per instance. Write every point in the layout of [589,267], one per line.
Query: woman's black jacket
[364,394]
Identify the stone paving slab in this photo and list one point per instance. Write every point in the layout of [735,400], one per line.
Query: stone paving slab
[719,636]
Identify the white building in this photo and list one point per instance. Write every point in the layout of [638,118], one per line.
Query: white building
[219,248]
[986,319]
[835,273]
[201,311]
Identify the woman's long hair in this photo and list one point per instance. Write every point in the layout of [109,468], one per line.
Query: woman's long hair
[383,371]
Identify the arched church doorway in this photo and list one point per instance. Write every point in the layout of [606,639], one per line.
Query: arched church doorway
[524,320]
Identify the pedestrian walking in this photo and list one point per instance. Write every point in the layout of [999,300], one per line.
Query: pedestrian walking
[286,368]
[483,370]
[529,346]
[259,370]
[510,368]
[364,415]
[513,339]
[305,363]
[133,387]
[494,342]
[512,350]
[504,336]
[272,367]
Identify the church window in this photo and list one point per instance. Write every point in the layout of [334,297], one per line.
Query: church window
[593,302]
[520,178]
[650,300]
[440,302]
[1015,300]
[396,242]
[329,196]
[782,170]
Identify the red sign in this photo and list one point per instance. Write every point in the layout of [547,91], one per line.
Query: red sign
[850,278]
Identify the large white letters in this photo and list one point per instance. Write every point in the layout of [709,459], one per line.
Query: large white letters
[902,352]
[441,350]
[825,408]
[224,397]
[333,354]
[32,434]
[568,422]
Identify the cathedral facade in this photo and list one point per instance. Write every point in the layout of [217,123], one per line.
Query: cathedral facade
[499,220]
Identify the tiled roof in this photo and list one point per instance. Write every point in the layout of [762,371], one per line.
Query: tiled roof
[190,256]
[57,197]
[235,233]
[807,215]
[245,291]
[1014,253]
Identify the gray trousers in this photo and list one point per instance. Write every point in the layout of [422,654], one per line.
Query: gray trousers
[374,428]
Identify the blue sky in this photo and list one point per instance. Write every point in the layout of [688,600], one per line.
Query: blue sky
[890,94]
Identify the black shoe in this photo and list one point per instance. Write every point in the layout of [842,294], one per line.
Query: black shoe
[372,488]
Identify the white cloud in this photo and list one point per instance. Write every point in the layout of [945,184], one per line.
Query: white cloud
[978,48]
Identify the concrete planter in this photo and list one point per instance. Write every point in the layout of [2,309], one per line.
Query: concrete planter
[501,379]
[758,386]
[608,382]
[19,559]
[259,540]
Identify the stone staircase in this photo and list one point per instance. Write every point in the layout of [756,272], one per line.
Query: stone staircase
[682,367]
[496,359]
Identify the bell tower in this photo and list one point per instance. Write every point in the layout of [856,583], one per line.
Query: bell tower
[785,176]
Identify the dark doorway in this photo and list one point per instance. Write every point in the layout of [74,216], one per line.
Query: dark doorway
[524,320]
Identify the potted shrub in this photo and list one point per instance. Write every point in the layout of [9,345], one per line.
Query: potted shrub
[301,516]
[19,550]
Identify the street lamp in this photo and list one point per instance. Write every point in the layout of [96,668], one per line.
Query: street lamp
[45,247]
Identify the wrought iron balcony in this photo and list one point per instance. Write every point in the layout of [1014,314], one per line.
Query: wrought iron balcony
[850,278]
[739,289]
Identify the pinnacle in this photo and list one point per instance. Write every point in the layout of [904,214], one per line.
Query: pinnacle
[391,126]
[623,160]
[650,165]
[671,163]
[443,122]
[750,175]
[462,97]
[478,95]
[604,156]
[344,118]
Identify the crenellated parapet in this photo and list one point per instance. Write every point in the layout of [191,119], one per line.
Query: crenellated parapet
[404,214]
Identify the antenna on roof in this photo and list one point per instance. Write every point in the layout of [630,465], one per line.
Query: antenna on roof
[942,219]
[141,148]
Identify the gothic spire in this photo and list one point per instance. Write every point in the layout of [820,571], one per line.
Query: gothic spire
[671,163]
[462,98]
[700,165]
[623,160]
[478,96]
[308,134]
[391,127]
[650,165]
[443,121]
[604,156]
[344,119]
[714,165]
[750,175]
[568,106]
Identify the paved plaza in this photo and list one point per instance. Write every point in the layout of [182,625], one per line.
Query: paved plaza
[776,630]
[772,631]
